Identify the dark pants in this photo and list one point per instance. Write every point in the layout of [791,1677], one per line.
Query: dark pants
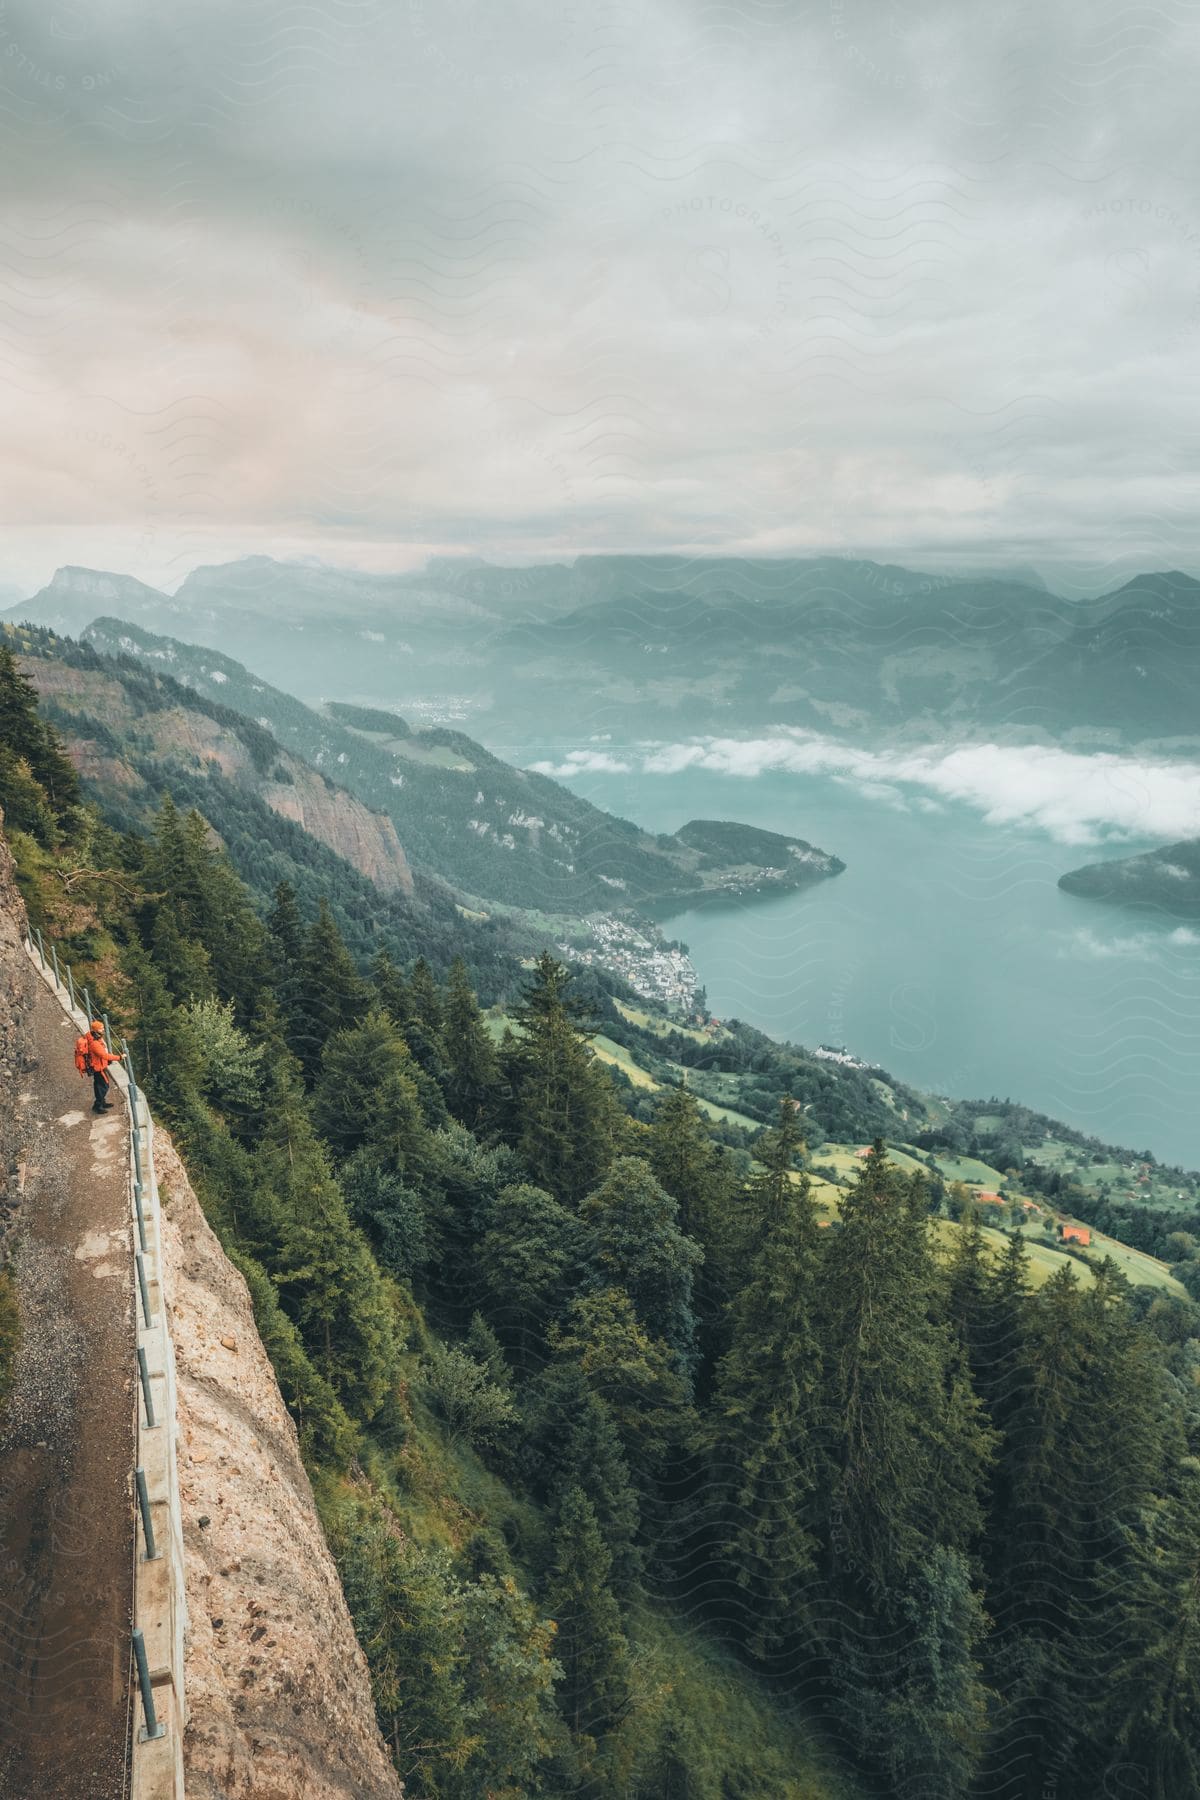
[99,1090]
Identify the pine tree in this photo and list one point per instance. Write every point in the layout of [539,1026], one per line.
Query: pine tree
[472,1069]
[328,1281]
[330,996]
[908,1446]
[33,741]
[633,1373]
[693,1168]
[590,1644]
[163,1050]
[392,1214]
[933,1719]
[1148,1711]
[365,1097]
[1084,1445]
[766,1409]
[699,1176]
[424,1027]
[584,1452]
[563,1112]
[524,1258]
[23,801]
[632,1241]
[286,928]
[407,1615]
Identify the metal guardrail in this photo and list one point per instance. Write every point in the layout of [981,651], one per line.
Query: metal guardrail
[156,1647]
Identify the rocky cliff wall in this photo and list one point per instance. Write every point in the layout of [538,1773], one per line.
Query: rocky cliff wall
[278,1693]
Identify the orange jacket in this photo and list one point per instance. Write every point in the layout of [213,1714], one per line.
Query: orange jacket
[95,1053]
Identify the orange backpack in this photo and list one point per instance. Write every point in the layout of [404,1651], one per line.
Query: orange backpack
[81,1055]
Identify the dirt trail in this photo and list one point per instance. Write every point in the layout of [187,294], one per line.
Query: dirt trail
[66,1448]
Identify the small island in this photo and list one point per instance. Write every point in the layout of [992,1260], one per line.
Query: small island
[1167,880]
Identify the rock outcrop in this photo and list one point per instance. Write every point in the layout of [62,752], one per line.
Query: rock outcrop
[277,1687]
[191,737]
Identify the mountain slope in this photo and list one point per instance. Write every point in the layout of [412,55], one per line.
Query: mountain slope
[500,834]
[117,717]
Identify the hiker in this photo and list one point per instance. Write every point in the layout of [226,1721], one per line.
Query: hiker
[92,1057]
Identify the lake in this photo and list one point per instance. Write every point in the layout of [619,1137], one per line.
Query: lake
[945,952]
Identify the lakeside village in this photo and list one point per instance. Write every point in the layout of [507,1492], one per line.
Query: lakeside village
[654,966]
[660,969]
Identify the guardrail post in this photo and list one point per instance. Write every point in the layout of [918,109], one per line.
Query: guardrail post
[54,960]
[152,1728]
[71,986]
[87,1004]
[144,1372]
[141,1275]
[152,1551]
[141,1217]
[107,1031]
[41,947]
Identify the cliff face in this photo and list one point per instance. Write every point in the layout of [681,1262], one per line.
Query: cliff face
[365,838]
[277,1687]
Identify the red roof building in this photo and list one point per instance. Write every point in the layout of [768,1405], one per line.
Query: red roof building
[1076,1234]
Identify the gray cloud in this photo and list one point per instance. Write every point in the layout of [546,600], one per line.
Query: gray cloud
[366,280]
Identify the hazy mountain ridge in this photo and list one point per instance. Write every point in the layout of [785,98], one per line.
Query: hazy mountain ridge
[639,644]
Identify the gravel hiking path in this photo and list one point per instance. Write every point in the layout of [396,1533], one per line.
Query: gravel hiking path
[66,1445]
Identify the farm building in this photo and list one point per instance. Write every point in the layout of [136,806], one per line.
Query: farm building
[1076,1234]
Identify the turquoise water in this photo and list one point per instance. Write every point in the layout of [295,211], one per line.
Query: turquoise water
[945,952]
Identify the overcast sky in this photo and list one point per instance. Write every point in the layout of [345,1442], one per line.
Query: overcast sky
[365,279]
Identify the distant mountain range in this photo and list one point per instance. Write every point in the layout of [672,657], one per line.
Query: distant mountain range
[658,645]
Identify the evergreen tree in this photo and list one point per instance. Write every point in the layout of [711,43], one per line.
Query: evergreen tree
[472,1069]
[23,801]
[766,1409]
[365,1096]
[934,1715]
[407,1616]
[392,1214]
[286,928]
[525,1257]
[428,1069]
[700,1178]
[590,1644]
[163,1049]
[328,1282]
[330,997]
[584,1451]
[562,1108]
[633,1373]
[32,741]
[1147,1714]
[632,1241]
[1084,1448]
[908,1447]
